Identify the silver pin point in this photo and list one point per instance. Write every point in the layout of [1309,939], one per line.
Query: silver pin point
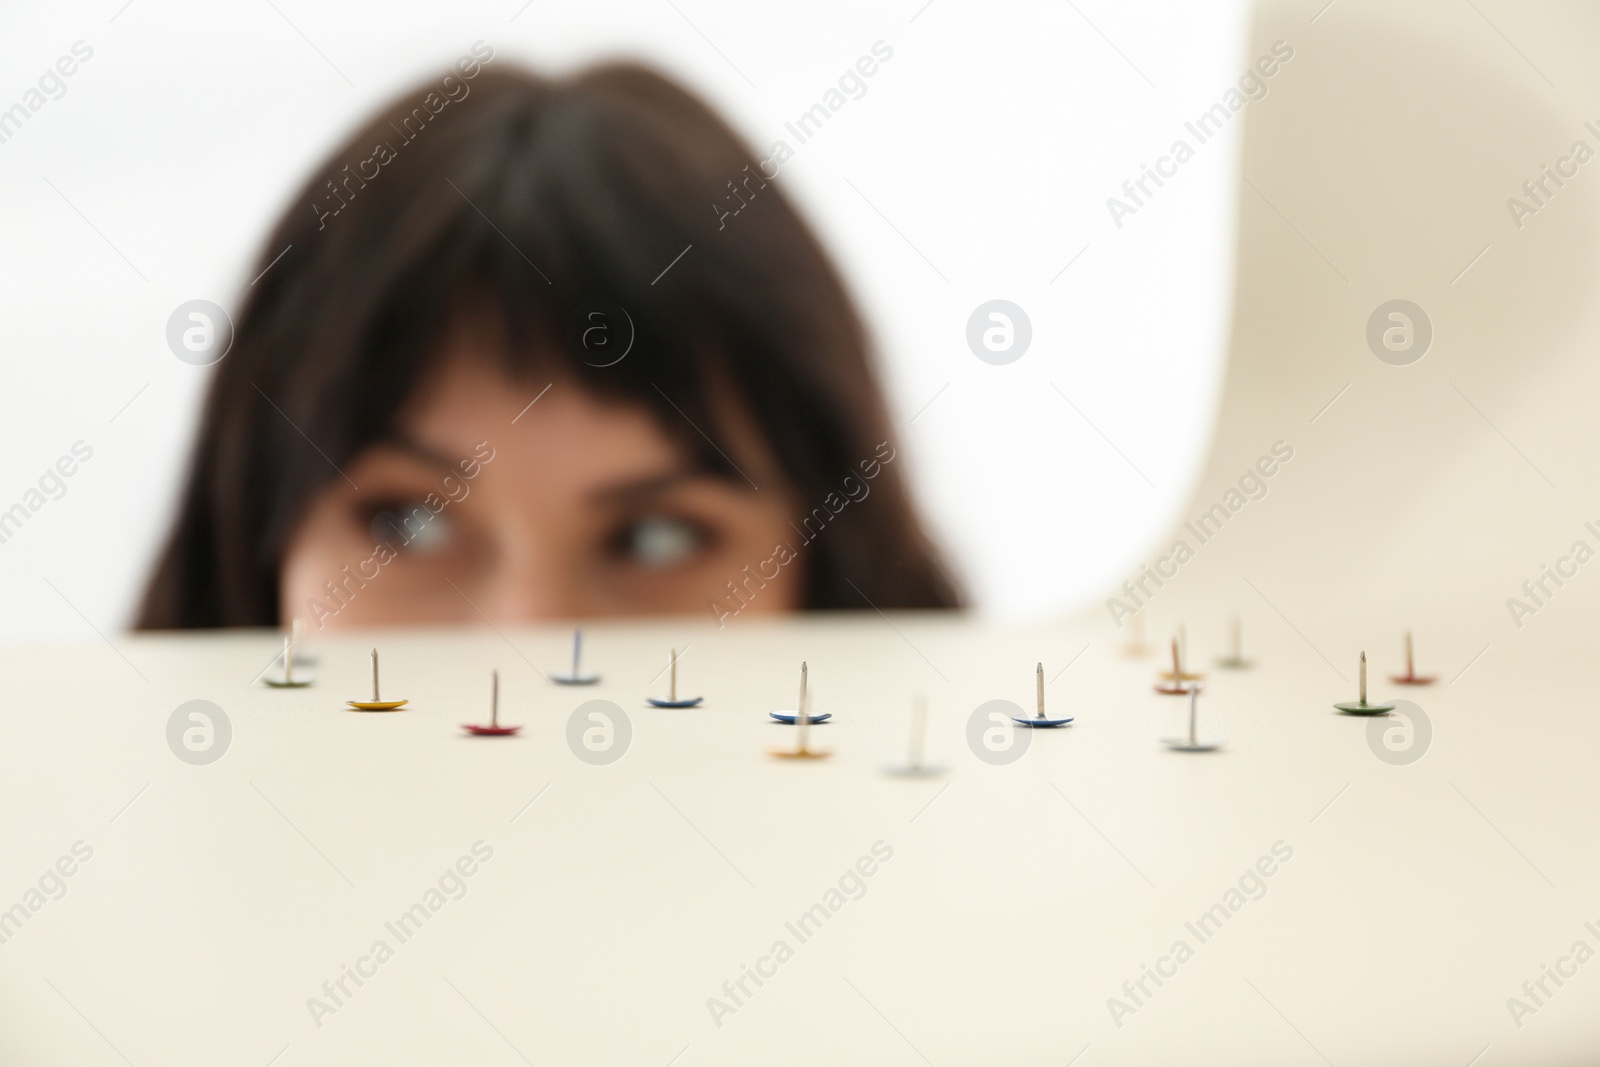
[1194,742]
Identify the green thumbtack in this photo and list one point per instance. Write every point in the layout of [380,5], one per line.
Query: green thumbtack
[1361,707]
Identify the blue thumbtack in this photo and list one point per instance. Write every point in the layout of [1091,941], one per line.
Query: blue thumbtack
[577,677]
[672,700]
[789,717]
[1039,722]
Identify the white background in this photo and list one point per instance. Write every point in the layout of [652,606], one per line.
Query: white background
[977,166]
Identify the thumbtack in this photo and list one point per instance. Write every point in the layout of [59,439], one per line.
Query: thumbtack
[1411,677]
[1177,682]
[577,677]
[672,700]
[1039,722]
[494,729]
[1178,673]
[287,680]
[913,766]
[377,703]
[1193,743]
[1136,647]
[791,717]
[1361,707]
[1234,660]
[802,721]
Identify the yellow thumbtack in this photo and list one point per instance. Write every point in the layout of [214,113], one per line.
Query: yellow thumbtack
[1176,683]
[377,703]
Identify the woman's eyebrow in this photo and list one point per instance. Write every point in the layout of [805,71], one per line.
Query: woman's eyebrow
[417,450]
[633,490]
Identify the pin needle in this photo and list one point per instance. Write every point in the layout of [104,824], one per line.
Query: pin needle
[672,700]
[494,729]
[788,717]
[1361,707]
[1039,722]
[1411,677]
[577,677]
[377,703]
[288,681]
[1175,684]
[1193,743]
[802,720]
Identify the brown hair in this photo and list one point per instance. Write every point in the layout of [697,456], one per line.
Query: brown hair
[530,197]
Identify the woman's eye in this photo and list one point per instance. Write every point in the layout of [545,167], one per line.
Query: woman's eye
[658,542]
[412,528]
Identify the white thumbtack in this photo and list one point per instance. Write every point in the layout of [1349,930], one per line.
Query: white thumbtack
[672,700]
[494,729]
[1361,707]
[914,767]
[377,703]
[802,721]
[1193,743]
[577,677]
[287,680]
[791,717]
[1038,721]
[1234,660]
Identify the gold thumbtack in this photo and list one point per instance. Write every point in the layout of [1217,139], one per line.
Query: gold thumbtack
[377,703]
[1234,660]
[1361,707]
[1411,677]
[1177,682]
[802,721]
[1136,647]
[672,700]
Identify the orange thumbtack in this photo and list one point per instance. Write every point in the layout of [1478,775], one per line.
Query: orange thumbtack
[1361,707]
[1177,682]
[494,729]
[802,725]
[1136,647]
[377,703]
[1411,677]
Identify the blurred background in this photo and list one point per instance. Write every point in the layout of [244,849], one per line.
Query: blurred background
[1171,345]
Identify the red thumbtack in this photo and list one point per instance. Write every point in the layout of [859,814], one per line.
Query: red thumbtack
[494,729]
[1411,677]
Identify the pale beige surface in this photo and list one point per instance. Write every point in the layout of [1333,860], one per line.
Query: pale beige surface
[1018,899]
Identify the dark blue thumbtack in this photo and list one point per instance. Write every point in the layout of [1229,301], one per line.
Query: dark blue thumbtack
[790,717]
[672,700]
[1039,722]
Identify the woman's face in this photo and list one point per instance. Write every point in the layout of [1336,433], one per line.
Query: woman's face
[487,508]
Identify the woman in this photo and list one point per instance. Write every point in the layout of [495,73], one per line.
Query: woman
[511,367]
